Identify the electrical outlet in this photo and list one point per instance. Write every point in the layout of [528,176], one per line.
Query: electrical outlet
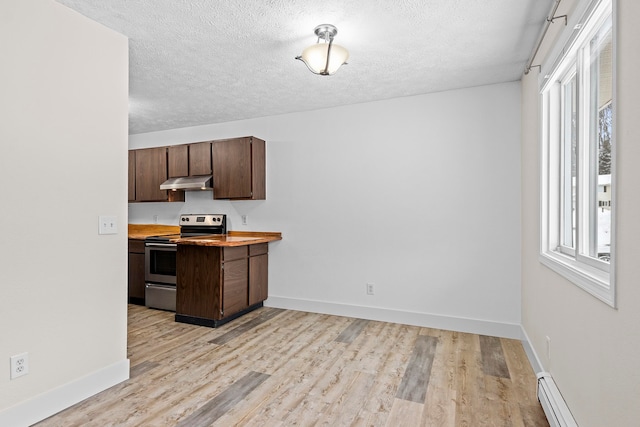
[370,289]
[548,347]
[245,219]
[19,365]
[108,224]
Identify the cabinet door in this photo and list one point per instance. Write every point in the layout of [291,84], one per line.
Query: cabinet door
[232,168]
[258,278]
[200,158]
[235,286]
[136,278]
[132,176]
[151,171]
[258,169]
[199,278]
[178,161]
[136,271]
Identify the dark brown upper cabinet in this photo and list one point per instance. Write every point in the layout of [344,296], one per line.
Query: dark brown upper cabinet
[132,176]
[239,168]
[147,170]
[178,160]
[151,171]
[189,159]
[200,158]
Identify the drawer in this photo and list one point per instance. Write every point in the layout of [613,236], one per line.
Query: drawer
[136,246]
[234,252]
[258,249]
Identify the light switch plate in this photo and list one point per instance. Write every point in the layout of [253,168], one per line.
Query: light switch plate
[107,224]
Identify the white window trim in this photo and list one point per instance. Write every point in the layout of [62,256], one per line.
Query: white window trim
[597,282]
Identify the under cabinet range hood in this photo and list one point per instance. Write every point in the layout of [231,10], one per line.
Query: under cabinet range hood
[190,183]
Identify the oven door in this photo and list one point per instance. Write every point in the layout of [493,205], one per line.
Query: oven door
[160,263]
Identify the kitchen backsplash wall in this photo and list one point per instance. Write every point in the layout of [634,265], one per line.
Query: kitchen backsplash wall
[195,202]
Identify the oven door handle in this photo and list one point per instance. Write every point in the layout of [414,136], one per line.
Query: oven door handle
[161,245]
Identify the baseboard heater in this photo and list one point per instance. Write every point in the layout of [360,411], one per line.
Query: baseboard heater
[555,408]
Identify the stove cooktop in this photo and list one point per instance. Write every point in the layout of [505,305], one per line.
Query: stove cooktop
[162,239]
[192,225]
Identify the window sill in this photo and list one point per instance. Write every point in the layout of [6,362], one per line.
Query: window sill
[596,282]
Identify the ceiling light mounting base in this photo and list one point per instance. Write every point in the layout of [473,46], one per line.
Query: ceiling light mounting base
[325,31]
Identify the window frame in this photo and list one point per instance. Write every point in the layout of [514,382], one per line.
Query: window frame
[589,273]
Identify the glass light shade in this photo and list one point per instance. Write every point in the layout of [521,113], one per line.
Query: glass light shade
[315,57]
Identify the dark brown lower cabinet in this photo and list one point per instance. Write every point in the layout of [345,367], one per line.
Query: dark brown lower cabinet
[235,280]
[259,273]
[218,284]
[136,271]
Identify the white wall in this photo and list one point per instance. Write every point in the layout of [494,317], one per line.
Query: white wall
[63,136]
[418,195]
[594,348]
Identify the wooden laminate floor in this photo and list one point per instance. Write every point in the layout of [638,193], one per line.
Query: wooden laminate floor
[279,368]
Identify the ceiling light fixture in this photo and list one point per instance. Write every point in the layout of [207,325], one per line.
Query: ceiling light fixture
[324,57]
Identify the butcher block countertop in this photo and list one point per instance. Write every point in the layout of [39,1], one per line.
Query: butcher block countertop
[233,238]
[142,231]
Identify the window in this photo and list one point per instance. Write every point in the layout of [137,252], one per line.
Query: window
[578,143]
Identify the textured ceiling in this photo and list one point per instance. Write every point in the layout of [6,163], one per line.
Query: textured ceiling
[196,62]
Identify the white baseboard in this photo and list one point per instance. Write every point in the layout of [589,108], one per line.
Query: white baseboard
[534,360]
[460,324]
[51,402]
